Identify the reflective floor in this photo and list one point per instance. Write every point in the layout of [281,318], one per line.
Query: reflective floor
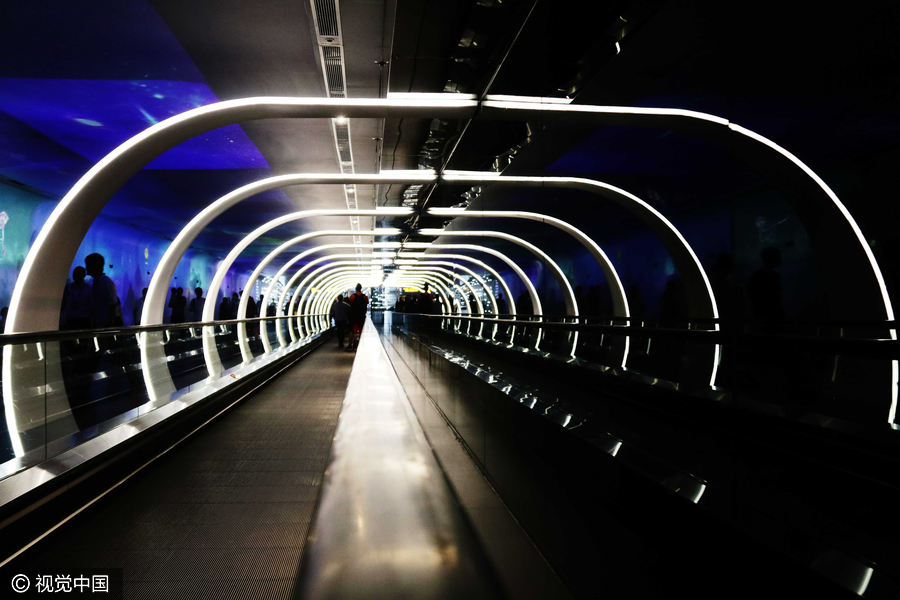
[388,524]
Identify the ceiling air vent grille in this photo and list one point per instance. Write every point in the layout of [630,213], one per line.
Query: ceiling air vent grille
[327,17]
[333,59]
[342,134]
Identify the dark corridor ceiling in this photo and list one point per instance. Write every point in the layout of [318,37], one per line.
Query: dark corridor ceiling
[76,79]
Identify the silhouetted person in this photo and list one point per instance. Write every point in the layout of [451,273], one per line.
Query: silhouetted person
[250,313]
[340,312]
[177,303]
[502,308]
[105,308]
[77,300]
[358,304]
[672,306]
[580,300]
[139,307]
[225,309]
[727,294]
[764,287]
[523,304]
[3,312]
[197,303]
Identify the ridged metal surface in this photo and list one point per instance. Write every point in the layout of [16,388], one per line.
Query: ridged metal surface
[326,17]
[332,58]
[388,525]
[226,514]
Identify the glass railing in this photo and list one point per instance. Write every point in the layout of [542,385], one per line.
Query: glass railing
[62,389]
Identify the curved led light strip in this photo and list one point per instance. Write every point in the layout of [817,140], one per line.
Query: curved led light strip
[153,309]
[157,379]
[363,270]
[267,345]
[324,283]
[296,295]
[322,298]
[323,291]
[420,280]
[511,302]
[246,355]
[308,281]
[701,298]
[450,276]
[433,283]
[476,276]
[54,248]
[211,356]
[438,280]
[701,304]
[431,280]
[318,281]
[568,294]
[483,265]
[281,300]
[562,280]
[620,302]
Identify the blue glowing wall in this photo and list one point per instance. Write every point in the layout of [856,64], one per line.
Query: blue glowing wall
[92,118]
[133,254]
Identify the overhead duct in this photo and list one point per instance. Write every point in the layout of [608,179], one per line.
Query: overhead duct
[327,17]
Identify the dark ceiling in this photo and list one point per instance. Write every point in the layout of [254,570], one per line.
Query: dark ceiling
[76,79]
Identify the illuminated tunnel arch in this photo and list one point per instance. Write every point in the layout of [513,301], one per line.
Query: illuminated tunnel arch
[423,278]
[561,279]
[322,294]
[621,308]
[322,279]
[55,247]
[450,276]
[481,282]
[510,302]
[318,305]
[246,354]
[484,286]
[700,295]
[482,264]
[225,265]
[37,297]
[701,300]
[155,370]
[295,296]
[355,266]
[473,247]
[267,295]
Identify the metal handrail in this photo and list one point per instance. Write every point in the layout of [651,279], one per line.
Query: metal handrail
[74,334]
[832,323]
[870,348]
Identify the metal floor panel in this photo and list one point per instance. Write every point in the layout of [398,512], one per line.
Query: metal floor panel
[225,514]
